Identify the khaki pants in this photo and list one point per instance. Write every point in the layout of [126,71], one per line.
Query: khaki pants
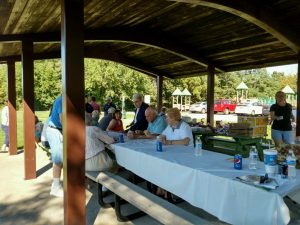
[99,162]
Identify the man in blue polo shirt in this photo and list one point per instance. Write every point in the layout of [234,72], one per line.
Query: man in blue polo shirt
[156,125]
[55,139]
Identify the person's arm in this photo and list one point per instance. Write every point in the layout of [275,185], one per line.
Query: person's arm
[111,125]
[292,115]
[102,136]
[272,113]
[273,117]
[292,118]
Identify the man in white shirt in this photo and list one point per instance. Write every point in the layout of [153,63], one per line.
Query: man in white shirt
[5,126]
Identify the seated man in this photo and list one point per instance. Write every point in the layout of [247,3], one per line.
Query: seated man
[104,122]
[139,123]
[96,157]
[156,125]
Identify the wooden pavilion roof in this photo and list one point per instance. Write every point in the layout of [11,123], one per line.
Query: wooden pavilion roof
[175,38]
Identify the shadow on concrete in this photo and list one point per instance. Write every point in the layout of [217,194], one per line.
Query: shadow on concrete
[44,169]
[37,208]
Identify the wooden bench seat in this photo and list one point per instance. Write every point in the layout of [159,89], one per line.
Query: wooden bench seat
[158,208]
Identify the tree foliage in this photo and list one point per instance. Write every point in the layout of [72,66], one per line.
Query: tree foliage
[109,79]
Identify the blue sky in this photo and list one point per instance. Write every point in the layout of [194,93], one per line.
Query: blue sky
[287,69]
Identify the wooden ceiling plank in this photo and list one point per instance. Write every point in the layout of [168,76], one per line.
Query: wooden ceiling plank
[257,13]
[103,53]
[245,48]
[14,17]
[148,38]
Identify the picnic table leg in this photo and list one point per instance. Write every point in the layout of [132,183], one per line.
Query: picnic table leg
[118,202]
[101,200]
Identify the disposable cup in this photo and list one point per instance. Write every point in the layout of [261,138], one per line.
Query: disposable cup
[270,160]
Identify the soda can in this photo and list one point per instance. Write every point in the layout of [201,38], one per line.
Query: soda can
[158,144]
[283,170]
[238,162]
[121,138]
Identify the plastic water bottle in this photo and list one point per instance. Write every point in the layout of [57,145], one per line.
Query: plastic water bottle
[291,162]
[253,158]
[198,147]
[158,144]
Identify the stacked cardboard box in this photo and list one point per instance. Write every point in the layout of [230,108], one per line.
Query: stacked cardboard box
[257,124]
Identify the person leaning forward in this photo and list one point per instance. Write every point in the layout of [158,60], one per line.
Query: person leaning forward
[156,125]
[55,139]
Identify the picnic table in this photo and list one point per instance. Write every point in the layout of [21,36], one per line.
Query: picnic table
[229,144]
[207,182]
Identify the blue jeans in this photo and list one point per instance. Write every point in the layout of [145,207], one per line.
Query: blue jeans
[282,136]
[6,132]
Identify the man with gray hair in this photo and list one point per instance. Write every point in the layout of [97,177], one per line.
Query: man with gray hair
[139,122]
[156,125]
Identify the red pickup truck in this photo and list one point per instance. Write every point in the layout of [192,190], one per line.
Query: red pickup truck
[224,105]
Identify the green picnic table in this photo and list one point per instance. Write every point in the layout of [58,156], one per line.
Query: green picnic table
[230,145]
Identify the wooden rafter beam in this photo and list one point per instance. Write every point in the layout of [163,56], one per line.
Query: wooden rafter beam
[257,12]
[141,37]
[152,39]
[36,37]
[98,53]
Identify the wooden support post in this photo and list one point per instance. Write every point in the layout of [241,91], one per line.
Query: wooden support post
[159,92]
[28,107]
[210,95]
[11,83]
[72,48]
[298,99]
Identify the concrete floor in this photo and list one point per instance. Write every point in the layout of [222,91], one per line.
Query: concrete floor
[28,201]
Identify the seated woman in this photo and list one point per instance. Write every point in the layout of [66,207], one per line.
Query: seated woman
[177,132]
[96,156]
[116,124]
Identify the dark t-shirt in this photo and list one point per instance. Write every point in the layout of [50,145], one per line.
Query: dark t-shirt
[89,108]
[286,112]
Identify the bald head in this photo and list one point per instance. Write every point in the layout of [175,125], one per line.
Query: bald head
[150,114]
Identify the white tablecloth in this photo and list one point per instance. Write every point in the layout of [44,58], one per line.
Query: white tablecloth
[207,182]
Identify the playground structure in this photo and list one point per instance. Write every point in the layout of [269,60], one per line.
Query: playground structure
[181,99]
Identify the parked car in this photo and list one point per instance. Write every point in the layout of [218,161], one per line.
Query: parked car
[224,105]
[266,110]
[198,107]
[249,108]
